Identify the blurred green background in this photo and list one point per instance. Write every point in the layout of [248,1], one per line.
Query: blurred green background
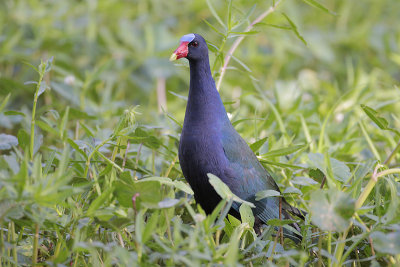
[118,50]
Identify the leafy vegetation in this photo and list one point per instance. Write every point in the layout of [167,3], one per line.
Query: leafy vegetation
[91,111]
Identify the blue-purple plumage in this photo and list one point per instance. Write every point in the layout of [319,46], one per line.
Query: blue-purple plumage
[210,144]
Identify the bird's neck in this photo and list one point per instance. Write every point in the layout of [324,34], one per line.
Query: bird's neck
[204,102]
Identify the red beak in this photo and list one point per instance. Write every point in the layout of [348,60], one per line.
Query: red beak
[180,52]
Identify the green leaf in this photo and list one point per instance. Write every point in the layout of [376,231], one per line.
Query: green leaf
[277,222]
[152,142]
[49,63]
[331,209]
[125,189]
[7,141]
[232,254]
[387,243]
[178,95]
[30,82]
[167,181]
[174,120]
[282,165]
[10,209]
[212,48]
[215,14]
[235,34]
[241,63]
[283,151]
[86,128]
[305,181]
[234,221]
[256,145]
[78,114]
[230,15]
[14,113]
[393,209]
[183,187]
[150,226]
[149,194]
[77,148]
[99,201]
[243,120]
[213,28]
[30,65]
[316,174]
[4,102]
[340,170]
[375,117]
[315,4]
[23,138]
[381,122]
[44,126]
[63,123]
[292,190]
[223,190]
[168,203]
[49,162]
[294,28]
[139,225]
[43,87]
[12,163]
[273,25]
[245,18]
[266,193]
[246,214]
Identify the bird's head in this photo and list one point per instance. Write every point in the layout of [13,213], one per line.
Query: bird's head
[192,46]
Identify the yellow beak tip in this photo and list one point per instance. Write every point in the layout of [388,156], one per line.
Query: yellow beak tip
[173,57]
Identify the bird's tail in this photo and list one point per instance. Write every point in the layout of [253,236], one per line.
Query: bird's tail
[294,211]
[289,210]
[290,234]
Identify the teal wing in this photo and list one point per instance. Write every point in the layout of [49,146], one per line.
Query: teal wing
[245,168]
[245,176]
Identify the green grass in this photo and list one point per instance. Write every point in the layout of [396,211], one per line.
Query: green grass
[91,111]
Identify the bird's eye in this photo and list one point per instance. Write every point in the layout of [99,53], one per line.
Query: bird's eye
[194,44]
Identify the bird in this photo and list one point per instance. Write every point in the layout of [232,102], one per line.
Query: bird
[210,144]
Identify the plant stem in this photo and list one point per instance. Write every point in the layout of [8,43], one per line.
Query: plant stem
[95,150]
[329,248]
[171,166]
[35,245]
[153,161]
[168,227]
[14,241]
[58,247]
[319,250]
[273,248]
[137,161]
[391,156]
[280,218]
[2,251]
[354,245]
[240,39]
[126,155]
[369,141]
[76,260]
[221,47]
[121,241]
[8,255]
[34,113]
[360,201]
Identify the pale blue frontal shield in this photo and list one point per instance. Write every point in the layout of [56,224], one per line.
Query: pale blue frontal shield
[188,38]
